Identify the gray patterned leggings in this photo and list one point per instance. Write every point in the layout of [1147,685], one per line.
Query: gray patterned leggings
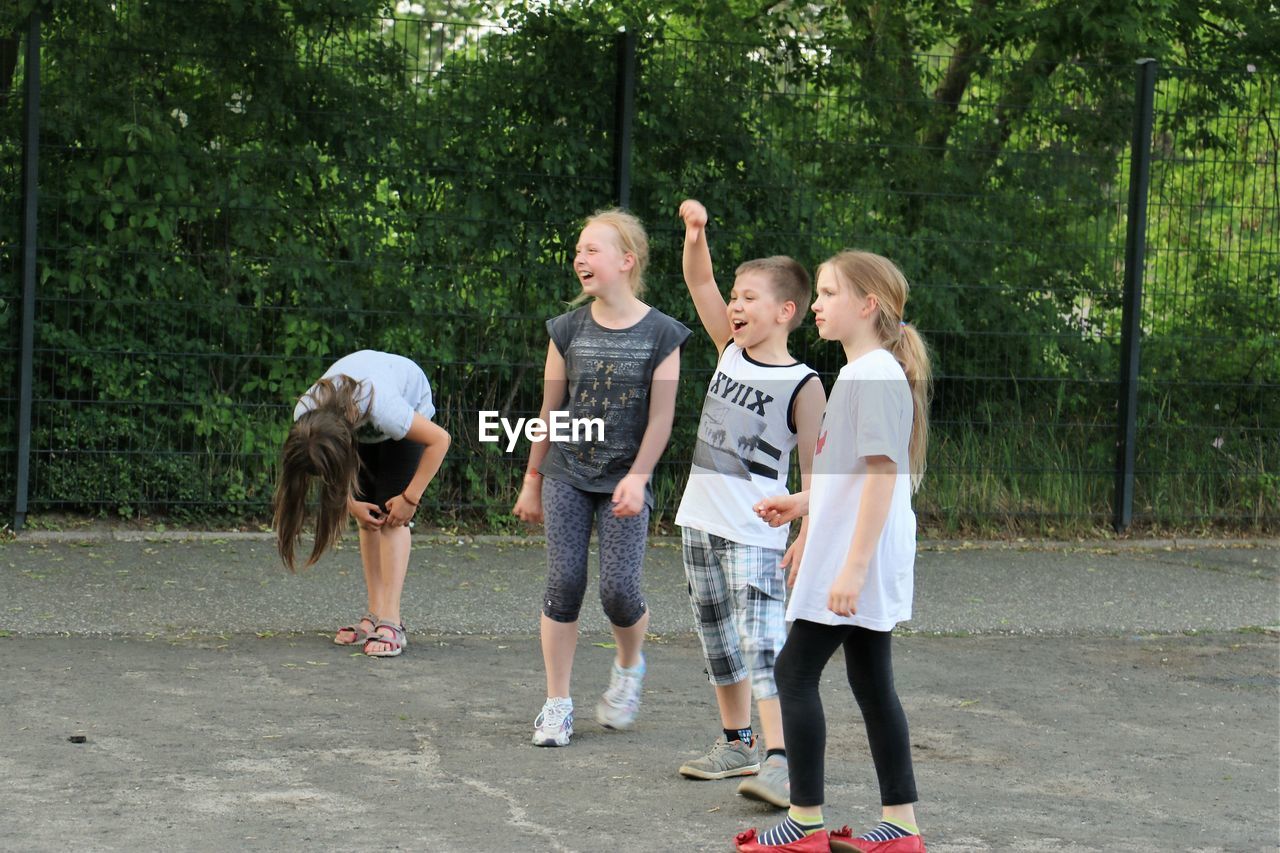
[568,513]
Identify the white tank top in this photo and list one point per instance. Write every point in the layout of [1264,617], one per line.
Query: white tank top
[745,438]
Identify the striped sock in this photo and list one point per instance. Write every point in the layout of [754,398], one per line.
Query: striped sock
[794,828]
[888,830]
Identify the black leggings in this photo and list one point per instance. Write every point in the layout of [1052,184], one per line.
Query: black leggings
[870,666]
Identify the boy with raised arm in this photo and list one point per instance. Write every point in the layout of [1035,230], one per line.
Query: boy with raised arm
[760,405]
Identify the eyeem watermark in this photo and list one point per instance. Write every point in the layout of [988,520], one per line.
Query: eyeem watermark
[561,427]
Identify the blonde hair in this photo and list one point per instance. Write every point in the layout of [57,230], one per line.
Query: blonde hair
[321,447]
[869,274]
[789,280]
[632,240]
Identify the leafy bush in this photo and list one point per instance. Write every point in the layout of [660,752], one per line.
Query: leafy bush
[236,194]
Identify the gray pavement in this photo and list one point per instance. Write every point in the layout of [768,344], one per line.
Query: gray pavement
[212,584]
[1082,697]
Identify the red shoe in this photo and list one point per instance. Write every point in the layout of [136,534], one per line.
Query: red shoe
[746,842]
[843,841]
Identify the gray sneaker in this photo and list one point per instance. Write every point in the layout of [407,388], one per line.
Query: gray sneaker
[724,759]
[771,785]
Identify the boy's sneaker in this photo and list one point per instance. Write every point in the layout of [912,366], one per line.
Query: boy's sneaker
[725,758]
[771,785]
[618,707]
[554,725]
[844,841]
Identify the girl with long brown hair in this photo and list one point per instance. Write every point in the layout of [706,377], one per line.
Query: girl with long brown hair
[363,441]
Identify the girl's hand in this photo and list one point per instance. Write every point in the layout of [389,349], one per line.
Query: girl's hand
[628,497]
[529,505]
[368,516]
[783,509]
[399,511]
[791,559]
[842,600]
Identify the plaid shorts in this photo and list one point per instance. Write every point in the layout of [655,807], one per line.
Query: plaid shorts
[738,594]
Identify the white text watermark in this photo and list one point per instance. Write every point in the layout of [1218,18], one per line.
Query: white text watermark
[561,427]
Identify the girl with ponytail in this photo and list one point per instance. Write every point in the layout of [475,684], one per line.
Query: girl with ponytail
[363,441]
[856,574]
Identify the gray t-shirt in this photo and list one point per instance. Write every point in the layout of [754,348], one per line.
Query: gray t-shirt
[609,372]
[392,388]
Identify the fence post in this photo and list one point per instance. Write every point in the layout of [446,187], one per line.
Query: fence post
[623,116]
[30,201]
[1135,256]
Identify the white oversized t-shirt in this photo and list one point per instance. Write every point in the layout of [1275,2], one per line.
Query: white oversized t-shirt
[398,388]
[869,413]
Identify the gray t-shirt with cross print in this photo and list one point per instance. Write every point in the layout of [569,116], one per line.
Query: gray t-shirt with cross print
[609,373]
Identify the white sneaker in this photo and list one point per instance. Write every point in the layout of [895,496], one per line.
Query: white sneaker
[618,707]
[554,725]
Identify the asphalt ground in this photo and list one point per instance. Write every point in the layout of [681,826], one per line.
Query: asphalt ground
[1063,697]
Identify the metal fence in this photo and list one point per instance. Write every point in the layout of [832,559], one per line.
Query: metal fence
[1211,304]
[260,206]
[1003,448]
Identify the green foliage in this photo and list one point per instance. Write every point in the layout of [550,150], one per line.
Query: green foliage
[236,193]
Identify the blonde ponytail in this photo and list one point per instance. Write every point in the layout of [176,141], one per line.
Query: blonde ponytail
[913,355]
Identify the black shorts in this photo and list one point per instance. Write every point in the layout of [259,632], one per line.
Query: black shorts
[386,469]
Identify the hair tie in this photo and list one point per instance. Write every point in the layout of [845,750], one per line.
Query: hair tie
[902,323]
